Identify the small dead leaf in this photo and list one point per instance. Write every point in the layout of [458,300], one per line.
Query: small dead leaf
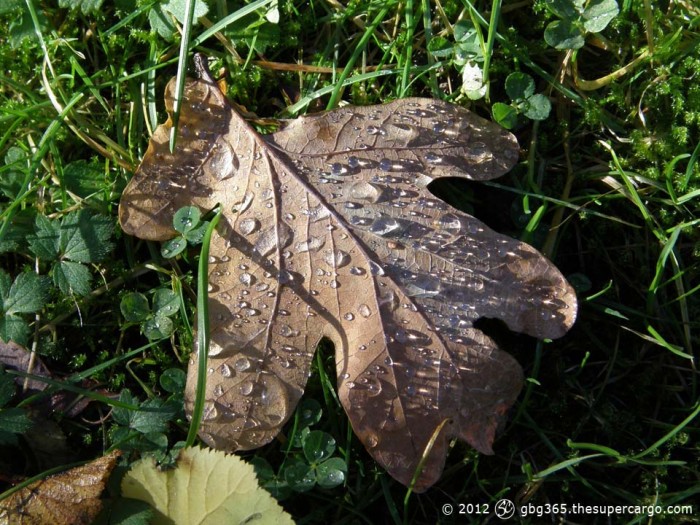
[17,357]
[329,231]
[69,498]
[206,487]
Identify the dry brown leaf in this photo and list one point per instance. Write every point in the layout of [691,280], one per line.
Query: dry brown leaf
[329,231]
[17,357]
[68,498]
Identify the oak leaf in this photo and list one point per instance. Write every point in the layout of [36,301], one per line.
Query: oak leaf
[69,498]
[328,230]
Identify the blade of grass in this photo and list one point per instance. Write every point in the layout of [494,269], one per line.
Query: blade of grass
[668,247]
[410,28]
[369,31]
[224,22]
[41,151]
[39,35]
[203,334]
[691,167]
[525,59]
[428,35]
[390,503]
[181,69]
[305,101]
[63,385]
[659,340]
[493,26]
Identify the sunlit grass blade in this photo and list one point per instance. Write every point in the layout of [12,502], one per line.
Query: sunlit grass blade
[493,29]
[182,69]
[359,49]
[230,19]
[408,53]
[203,335]
[41,151]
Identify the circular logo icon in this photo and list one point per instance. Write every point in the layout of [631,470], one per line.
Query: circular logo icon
[505,509]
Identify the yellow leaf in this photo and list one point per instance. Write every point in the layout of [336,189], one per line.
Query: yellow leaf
[206,487]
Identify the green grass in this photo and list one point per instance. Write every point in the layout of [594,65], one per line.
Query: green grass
[608,187]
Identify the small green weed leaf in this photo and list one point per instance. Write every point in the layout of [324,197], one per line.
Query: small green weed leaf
[158,327]
[161,22]
[152,417]
[263,469]
[440,47]
[318,446]
[165,302]
[134,307]
[598,14]
[173,380]
[331,473]
[299,436]
[310,413]
[126,511]
[84,178]
[120,415]
[7,388]
[27,294]
[10,5]
[275,485]
[463,30]
[566,9]
[520,86]
[72,278]
[15,234]
[5,285]
[153,441]
[44,243]
[85,6]
[14,328]
[563,34]
[11,180]
[537,107]
[22,27]
[177,8]
[14,420]
[173,247]
[186,218]
[195,235]
[505,115]
[85,236]
[299,476]
[254,31]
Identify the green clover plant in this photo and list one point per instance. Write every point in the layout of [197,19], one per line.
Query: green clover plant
[188,222]
[576,19]
[520,87]
[311,460]
[154,318]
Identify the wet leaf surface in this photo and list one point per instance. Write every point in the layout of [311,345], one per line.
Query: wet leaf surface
[69,498]
[329,231]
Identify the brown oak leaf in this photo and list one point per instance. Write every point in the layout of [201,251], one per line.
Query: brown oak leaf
[328,230]
[68,498]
